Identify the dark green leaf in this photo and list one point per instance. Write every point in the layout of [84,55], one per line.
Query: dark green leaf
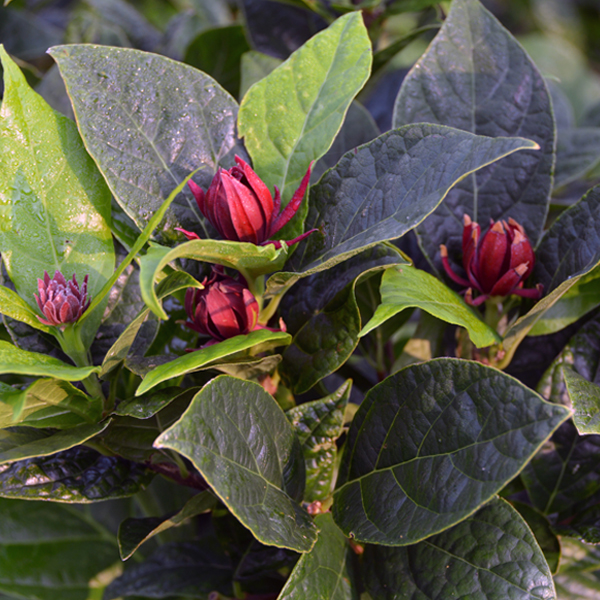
[591,118]
[292,116]
[193,361]
[79,476]
[491,554]
[318,425]
[388,186]
[584,526]
[246,451]
[51,552]
[407,287]
[21,362]
[13,449]
[55,204]
[189,569]
[247,368]
[255,66]
[431,444]
[325,571]
[148,121]
[475,76]
[147,405]
[218,52]
[134,532]
[577,152]
[400,6]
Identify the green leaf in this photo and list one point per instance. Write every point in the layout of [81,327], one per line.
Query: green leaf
[431,444]
[194,361]
[577,586]
[584,526]
[491,554]
[13,449]
[325,571]
[577,152]
[47,403]
[318,425]
[55,205]
[147,405]
[249,259]
[292,116]
[148,121]
[255,66]
[407,287]
[585,398]
[51,552]
[218,53]
[476,77]
[13,306]
[578,556]
[135,532]
[76,476]
[388,186]
[17,361]
[248,453]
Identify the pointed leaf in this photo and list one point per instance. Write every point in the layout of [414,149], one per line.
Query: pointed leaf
[148,121]
[245,451]
[193,361]
[433,443]
[318,424]
[476,77]
[407,287]
[491,554]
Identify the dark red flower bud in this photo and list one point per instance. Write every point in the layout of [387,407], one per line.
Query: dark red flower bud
[496,264]
[223,309]
[61,301]
[240,207]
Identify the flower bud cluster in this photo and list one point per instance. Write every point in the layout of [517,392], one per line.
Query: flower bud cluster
[61,301]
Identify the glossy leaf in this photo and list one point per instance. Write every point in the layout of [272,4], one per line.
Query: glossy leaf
[431,444]
[55,205]
[255,66]
[318,424]
[585,398]
[292,116]
[13,449]
[194,361]
[249,259]
[51,552]
[407,287]
[134,532]
[389,186]
[14,360]
[187,568]
[79,476]
[491,554]
[148,122]
[13,306]
[476,77]
[325,571]
[47,403]
[248,453]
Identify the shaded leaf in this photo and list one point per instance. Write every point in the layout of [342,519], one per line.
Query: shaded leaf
[407,287]
[147,405]
[51,552]
[433,443]
[584,526]
[491,554]
[577,152]
[193,361]
[318,424]
[148,121]
[476,77]
[255,66]
[79,475]
[134,532]
[249,455]
[326,570]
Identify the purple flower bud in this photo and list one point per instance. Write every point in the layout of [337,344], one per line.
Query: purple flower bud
[240,206]
[61,301]
[223,309]
[496,264]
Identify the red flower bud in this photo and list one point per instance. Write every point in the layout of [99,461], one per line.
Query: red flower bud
[223,309]
[61,301]
[240,207]
[496,264]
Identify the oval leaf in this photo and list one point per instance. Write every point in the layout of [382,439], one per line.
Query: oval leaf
[239,439]
[433,443]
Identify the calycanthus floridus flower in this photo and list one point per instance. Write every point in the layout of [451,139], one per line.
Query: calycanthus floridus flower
[496,264]
[223,309]
[61,301]
[240,207]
